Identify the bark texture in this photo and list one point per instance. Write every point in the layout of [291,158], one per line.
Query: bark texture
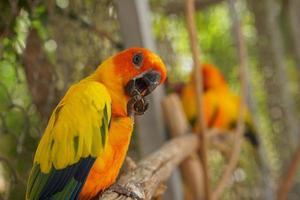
[191,169]
[271,63]
[152,171]
[201,130]
[293,7]
[39,75]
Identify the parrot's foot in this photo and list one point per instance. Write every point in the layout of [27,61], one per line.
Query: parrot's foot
[137,105]
[124,191]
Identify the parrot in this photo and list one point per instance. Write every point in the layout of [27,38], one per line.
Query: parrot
[87,136]
[220,104]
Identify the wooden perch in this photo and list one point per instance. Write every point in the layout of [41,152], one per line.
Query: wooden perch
[191,169]
[152,171]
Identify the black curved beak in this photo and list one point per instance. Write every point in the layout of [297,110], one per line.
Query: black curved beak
[143,84]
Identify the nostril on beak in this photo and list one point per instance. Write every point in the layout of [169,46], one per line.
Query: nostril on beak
[143,84]
[153,76]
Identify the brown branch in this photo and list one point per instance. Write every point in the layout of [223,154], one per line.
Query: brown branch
[191,26]
[146,178]
[223,182]
[129,164]
[177,7]
[221,142]
[191,169]
[39,75]
[84,24]
[287,181]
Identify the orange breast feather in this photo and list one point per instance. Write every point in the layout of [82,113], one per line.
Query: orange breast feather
[106,168]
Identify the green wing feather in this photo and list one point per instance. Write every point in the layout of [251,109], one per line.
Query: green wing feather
[75,136]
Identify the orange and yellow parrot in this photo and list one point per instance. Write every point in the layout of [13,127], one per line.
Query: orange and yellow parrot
[87,136]
[220,104]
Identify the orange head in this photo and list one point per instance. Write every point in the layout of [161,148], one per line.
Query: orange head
[140,67]
[212,77]
[134,72]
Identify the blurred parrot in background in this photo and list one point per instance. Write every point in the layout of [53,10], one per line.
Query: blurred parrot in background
[87,136]
[221,105]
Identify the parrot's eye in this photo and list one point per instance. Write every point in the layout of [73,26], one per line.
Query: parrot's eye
[138,60]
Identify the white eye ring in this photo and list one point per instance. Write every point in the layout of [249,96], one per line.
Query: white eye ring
[137,60]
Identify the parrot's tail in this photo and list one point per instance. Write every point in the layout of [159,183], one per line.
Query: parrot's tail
[251,136]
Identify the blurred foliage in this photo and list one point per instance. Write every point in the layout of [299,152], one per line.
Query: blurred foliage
[75,36]
[218,46]
[73,42]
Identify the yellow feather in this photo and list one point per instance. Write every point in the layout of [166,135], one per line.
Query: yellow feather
[82,104]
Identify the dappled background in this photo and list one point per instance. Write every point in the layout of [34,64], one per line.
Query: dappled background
[47,45]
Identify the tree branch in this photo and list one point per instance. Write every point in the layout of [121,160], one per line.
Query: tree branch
[177,7]
[146,178]
[84,24]
[223,182]
[191,169]
[191,26]
[287,181]
[39,79]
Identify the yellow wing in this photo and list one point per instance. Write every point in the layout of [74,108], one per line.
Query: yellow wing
[76,134]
